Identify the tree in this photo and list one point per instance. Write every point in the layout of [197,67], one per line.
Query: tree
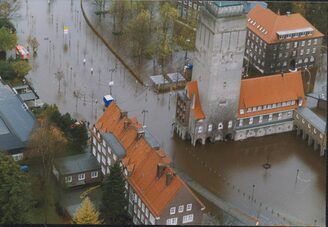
[7,24]
[168,14]
[46,141]
[113,200]
[138,31]
[6,71]
[21,68]
[120,11]
[78,135]
[59,76]
[8,8]
[8,41]
[15,194]
[33,42]
[87,213]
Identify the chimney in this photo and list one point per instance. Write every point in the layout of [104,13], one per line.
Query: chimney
[124,114]
[160,170]
[126,124]
[169,178]
[141,133]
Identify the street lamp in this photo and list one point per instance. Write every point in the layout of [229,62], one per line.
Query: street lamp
[144,116]
[253,192]
[187,44]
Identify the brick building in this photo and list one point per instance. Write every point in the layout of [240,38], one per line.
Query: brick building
[188,8]
[280,43]
[156,195]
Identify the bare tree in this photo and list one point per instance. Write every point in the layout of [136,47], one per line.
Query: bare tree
[8,8]
[33,42]
[59,76]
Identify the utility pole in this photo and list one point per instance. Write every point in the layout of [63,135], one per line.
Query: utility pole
[144,116]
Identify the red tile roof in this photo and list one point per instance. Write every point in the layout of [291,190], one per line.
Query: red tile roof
[272,89]
[142,160]
[192,90]
[274,23]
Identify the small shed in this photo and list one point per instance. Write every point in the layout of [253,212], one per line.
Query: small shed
[160,83]
[77,170]
[177,79]
[108,99]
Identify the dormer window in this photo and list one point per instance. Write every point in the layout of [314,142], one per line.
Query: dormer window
[241,111]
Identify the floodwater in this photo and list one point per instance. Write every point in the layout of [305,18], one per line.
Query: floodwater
[228,169]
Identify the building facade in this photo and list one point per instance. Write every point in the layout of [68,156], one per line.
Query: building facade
[188,8]
[217,69]
[156,195]
[280,43]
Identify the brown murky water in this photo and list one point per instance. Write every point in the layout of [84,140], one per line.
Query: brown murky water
[227,169]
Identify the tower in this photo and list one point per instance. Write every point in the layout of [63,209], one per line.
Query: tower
[220,43]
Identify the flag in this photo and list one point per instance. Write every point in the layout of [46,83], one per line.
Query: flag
[65,29]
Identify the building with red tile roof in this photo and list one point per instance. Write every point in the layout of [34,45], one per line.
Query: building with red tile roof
[266,104]
[156,194]
[279,43]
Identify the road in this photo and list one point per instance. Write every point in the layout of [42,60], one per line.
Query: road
[227,170]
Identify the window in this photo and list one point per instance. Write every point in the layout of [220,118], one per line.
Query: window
[94,151]
[289,113]
[139,202]
[264,107]
[286,54]
[172,210]
[300,61]
[261,119]
[241,111]
[269,106]
[230,124]
[295,44]
[200,129]
[278,104]
[188,218]
[287,45]
[251,121]
[181,208]
[143,207]
[94,141]
[302,52]
[135,209]
[138,213]
[108,170]
[274,105]
[210,126]
[314,131]
[240,122]
[81,176]
[142,218]
[321,136]
[135,197]
[311,59]
[284,64]
[109,150]
[220,126]
[303,43]
[270,117]
[314,50]
[279,116]
[189,207]
[254,109]
[172,221]
[249,110]
[294,53]
[94,174]
[147,212]
[109,161]
[306,60]
[68,179]
[103,170]
[315,41]
[103,159]
[114,156]
[307,51]
[309,42]
[293,102]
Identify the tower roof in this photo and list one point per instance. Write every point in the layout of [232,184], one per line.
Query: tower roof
[192,90]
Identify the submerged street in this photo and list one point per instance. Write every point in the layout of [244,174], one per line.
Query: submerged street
[293,188]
